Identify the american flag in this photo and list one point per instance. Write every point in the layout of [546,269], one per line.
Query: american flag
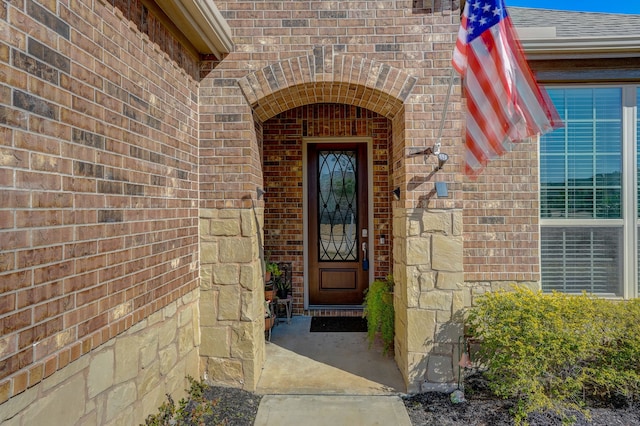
[504,102]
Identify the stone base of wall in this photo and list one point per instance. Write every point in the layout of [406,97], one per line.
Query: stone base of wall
[478,288]
[431,295]
[122,381]
[232,296]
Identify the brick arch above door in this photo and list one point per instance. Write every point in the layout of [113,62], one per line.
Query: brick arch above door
[327,77]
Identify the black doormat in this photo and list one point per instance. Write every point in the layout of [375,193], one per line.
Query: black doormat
[338,324]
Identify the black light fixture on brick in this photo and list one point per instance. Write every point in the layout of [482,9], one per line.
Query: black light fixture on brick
[442,157]
[396,194]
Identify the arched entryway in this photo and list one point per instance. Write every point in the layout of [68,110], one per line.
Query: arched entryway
[310,111]
[342,150]
[301,105]
[425,233]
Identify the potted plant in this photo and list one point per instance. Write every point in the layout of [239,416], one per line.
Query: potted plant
[269,292]
[271,270]
[378,310]
[270,288]
[282,285]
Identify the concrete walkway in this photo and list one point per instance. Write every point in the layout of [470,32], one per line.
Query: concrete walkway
[328,379]
[331,410]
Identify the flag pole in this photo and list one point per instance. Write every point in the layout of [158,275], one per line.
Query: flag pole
[436,148]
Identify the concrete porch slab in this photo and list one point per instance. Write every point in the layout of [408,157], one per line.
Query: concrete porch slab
[299,362]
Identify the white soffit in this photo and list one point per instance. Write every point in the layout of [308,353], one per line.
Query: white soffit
[542,43]
[201,22]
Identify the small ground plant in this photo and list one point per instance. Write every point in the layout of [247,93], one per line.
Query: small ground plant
[378,310]
[208,405]
[552,351]
[191,410]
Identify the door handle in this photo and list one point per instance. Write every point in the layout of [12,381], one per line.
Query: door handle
[365,260]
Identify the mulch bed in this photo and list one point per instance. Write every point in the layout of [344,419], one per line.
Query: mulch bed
[236,407]
[482,408]
[231,406]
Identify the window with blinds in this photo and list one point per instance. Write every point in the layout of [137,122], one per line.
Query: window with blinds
[581,193]
[577,259]
[581,163]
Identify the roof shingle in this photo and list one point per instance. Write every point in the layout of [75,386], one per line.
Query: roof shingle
[571,24]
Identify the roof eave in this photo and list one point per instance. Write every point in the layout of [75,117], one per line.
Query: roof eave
[202,24]
[581,47]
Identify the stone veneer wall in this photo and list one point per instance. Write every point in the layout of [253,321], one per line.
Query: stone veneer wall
[429,296]
[232,296]
[121,381]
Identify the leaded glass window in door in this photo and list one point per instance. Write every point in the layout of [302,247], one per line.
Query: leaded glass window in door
[337,206]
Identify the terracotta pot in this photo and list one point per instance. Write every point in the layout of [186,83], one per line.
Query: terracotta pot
[268,323]
[267,276]
[269,294]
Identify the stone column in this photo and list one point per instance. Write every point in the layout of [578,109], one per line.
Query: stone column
[429,296]
[231,303]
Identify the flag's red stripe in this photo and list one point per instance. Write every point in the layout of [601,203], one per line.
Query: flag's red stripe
[483,91]
[494,136]
[491,108]
[501,61]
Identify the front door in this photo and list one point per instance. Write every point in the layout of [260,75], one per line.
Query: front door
[338,212]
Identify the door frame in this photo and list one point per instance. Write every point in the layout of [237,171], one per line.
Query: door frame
[305,212]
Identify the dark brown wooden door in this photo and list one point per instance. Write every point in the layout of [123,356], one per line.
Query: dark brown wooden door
[338,215]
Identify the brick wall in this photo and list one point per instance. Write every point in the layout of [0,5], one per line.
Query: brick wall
[393,58]
[98,179]
[411,44]
[501,227]
[282,170]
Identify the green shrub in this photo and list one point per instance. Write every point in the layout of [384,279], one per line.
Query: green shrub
[190,411]
[549,351]
[615,369]
[378,310]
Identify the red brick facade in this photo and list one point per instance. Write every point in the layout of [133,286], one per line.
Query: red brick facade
[117,142]
[98,179]
[501,226]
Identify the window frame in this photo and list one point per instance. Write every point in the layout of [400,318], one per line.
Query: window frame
[630,220]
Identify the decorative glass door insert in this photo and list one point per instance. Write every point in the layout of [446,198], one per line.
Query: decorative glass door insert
[337,206]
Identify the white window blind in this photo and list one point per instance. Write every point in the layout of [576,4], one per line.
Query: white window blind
[577,259]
